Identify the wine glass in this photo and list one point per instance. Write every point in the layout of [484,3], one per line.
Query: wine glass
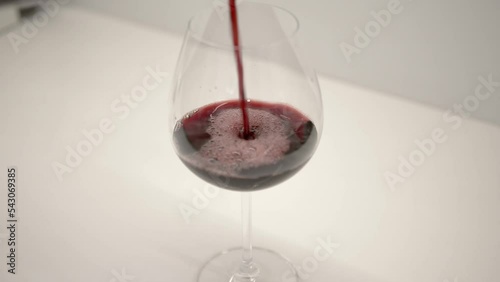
[284,109]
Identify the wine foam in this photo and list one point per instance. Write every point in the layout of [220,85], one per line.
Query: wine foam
[228,152]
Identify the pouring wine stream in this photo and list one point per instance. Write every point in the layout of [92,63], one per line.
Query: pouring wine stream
[246,134]
[248,270]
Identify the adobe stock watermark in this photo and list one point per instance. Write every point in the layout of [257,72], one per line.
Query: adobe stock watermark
[200,201]
[372,29]
[221,7]
[121,276]
[454,118]
[309,265]
[30,28]
[121,108]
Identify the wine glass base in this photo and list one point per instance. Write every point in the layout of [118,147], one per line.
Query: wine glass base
[273,266]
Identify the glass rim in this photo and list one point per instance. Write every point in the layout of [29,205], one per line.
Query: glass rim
[195,34]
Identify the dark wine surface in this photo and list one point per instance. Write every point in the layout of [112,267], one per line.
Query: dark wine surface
[209,142]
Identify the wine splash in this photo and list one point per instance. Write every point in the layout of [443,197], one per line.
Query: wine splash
[208,142]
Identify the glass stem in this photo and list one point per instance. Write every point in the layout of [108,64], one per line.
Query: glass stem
[248,270]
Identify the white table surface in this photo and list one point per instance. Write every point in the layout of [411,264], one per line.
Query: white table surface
[119,210]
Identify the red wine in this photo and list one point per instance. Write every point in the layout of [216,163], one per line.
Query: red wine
[239,65]
[209,142]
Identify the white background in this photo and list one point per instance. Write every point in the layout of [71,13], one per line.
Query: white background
[119,208]
[432,52]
